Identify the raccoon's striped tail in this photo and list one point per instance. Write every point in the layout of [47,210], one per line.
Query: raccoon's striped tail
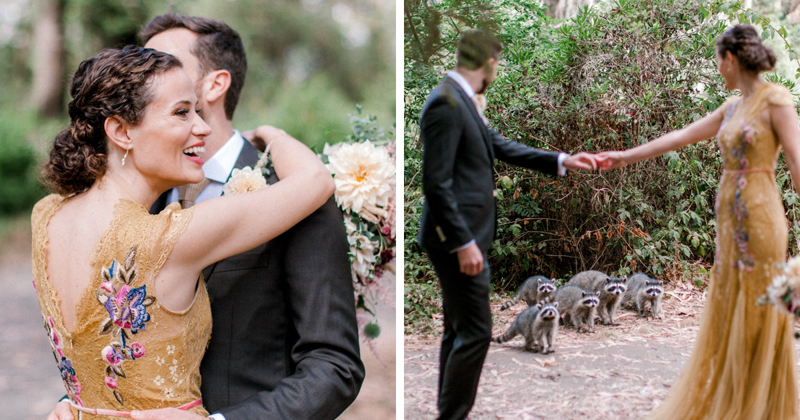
[510,303]
[505,337]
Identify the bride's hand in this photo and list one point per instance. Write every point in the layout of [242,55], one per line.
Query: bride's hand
[610,160]
[262,136]
[61,412]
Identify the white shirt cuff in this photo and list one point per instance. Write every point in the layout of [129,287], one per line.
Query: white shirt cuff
[465,246]
[217,416]
[561,169]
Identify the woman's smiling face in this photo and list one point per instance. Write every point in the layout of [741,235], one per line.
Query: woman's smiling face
[167,141]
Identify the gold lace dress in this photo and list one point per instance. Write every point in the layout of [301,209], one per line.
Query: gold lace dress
[743,363]
[126,352]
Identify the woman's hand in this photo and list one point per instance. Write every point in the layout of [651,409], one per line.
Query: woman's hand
[262,136]
[61,412]
[610,160]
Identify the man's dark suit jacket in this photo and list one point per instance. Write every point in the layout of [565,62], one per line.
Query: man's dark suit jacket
[284,343]
[458,182]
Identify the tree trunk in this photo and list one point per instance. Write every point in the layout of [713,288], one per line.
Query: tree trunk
[48,58]
[551,5]
[748,4]
[794,12]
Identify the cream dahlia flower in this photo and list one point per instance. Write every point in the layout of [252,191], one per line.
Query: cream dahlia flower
[244,180]
[364,175]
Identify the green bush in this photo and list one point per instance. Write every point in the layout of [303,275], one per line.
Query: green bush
[609,79]
[19,170]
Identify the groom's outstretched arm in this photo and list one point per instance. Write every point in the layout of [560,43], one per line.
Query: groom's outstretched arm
[327,368]
[525,156]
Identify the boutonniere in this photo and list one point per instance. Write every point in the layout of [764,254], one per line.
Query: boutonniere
[249,179]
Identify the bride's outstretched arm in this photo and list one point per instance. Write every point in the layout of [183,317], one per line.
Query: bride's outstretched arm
[699,130]
[230,225]
[784,122]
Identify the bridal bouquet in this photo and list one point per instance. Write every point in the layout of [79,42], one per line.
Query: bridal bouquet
[363,169]
[784,292]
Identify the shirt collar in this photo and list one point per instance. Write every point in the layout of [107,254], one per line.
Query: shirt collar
[219,167]
[458,78]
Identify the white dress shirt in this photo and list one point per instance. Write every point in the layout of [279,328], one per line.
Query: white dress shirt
[458,78]
[217,169]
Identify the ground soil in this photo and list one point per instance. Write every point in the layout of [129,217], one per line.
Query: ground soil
[620,372]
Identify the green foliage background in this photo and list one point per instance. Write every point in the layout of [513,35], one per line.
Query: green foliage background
[613,77]
[309,63]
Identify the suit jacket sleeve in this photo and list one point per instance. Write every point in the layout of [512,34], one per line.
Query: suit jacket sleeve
[521,155]
[328,370]
[441,132]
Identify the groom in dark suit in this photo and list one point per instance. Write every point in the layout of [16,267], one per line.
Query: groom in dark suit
[285,341]
[459,216]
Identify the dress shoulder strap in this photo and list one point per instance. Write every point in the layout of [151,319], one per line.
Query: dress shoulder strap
[778,95]
[153,235]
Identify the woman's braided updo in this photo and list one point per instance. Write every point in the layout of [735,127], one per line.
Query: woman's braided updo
[112,83]
[743,41]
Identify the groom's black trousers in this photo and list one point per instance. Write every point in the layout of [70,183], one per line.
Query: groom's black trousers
[467,334]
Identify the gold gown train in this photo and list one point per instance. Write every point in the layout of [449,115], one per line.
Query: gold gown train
[743,362]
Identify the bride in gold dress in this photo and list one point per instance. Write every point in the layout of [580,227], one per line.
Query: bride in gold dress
[121,291]
[743,363]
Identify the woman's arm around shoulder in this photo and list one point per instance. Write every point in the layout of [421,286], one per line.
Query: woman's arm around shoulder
[230,225]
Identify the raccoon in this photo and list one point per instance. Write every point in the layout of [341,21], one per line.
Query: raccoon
[538,324]
[533,291]
[609,289]
[643,289]
[577,305]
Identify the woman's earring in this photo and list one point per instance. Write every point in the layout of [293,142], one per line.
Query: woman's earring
[126,155]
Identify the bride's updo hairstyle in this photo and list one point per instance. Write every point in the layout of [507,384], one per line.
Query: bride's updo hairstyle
[743,41]
[112,83]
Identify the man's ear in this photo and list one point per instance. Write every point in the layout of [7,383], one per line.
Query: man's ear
[117,131]
[217,84]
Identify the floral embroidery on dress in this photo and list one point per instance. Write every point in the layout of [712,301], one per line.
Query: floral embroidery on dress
[71,383]
[738,207]
[127,314]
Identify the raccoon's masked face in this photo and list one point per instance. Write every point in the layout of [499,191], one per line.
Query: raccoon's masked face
[546,287]
[549,311]
[616,286]
[654,289]
[589,300]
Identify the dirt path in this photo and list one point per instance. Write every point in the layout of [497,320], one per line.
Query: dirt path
[618,372]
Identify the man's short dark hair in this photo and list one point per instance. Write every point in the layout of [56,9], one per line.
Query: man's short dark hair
[218,47]
[475,48]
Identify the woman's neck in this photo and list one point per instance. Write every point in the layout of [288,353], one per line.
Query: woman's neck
[748,84]
[111,188]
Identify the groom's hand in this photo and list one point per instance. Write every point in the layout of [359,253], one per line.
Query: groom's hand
[582,160]
[470,260]
[165,414]
[61,412]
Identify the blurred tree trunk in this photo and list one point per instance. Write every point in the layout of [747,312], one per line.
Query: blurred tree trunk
[565,9]
[551,5]
[794,12]
[48,58]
